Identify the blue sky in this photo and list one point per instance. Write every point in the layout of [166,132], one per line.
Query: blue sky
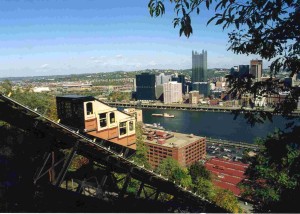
[45,37]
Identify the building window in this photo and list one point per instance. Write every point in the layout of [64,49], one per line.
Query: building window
[122,126]
[89,108]
[103,121]
[112,117]
[131,126]
[68,109]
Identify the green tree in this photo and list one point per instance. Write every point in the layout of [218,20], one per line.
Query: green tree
[227,200]
[204,187]
[198,170]
[43,103]
[119,96]
[274,173]
[6,87]
[174,172]
[140,156]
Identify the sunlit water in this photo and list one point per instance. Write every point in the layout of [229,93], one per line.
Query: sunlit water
[220,125]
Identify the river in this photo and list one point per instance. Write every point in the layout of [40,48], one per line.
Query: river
[220,125]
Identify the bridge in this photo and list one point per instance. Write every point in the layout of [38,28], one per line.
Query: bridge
[191,107]
[56,136]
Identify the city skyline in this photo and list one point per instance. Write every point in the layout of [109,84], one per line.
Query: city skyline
[72,37]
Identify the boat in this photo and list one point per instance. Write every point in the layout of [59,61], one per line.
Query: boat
[154,126]
[168,115]
[157,115]
[164,115]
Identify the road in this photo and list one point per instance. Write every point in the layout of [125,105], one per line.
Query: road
[191,107]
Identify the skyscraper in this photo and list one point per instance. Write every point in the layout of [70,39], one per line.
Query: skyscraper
[181,79]
[243,70]
[172,92]
[199,66]
[202,87]
[162,78]
[256,69]
[145,86]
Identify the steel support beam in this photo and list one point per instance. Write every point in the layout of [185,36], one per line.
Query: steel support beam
[66,165]
[125,185]
[38,176]
[138,194]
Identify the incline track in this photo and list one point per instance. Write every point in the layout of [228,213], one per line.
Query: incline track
[62,137]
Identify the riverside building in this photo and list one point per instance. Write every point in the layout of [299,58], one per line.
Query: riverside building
[184,148]
[194,97]
[202,87]
[172,92]
[145,86]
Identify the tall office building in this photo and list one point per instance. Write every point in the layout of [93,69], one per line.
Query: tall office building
[162,78]
[145,86]
[181,79]
[243,70]
[256,69]
[172,92]
[134,85]
[199,66]
[202,87]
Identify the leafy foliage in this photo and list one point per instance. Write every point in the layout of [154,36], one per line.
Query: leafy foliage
[204,187]
[119,96]
[174,172]
[140,156]
[227,200]
[201,183]
[6,87]
[274,172]
[198,170]
[43,103]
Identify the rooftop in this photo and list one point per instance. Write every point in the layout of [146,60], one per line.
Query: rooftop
[177,140]
[228,174]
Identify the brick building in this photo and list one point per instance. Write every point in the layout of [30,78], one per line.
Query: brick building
[186,149]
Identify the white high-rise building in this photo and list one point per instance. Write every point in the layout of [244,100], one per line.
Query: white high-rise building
[172,92]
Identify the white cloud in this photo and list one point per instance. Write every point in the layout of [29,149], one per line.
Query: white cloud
[152,62]
[45,66]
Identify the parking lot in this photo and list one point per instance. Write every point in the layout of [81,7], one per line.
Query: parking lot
[227,152]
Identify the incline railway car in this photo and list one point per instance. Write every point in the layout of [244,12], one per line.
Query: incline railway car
[97,119]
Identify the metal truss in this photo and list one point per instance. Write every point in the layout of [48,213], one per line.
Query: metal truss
[151,186]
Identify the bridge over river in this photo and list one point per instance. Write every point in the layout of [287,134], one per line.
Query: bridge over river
[190,107]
